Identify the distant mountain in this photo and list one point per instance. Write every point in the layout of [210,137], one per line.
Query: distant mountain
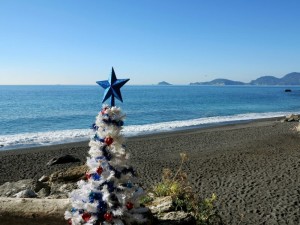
[266,80]
[164,83]
[288,79]
[219,82]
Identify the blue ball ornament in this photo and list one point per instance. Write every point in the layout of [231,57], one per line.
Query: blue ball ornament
[81,211]
[95,176]
[129,185]
[73,210]
[102,206]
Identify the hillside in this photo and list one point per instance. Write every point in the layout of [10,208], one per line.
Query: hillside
[266,80]
[289,79]
[219,82]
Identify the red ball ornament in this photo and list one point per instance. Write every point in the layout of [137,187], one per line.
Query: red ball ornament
[99,170]
[69,221]
[88,176]
[108,216]
[129,205]
[103,110]
[86,216]
[108,140]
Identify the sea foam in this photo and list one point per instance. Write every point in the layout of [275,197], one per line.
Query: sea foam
[64,136]
[173,125]
[43,138]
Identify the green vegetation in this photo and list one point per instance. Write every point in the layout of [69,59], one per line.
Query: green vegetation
[176,185]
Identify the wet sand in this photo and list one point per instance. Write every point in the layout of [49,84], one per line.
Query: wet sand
[253,168]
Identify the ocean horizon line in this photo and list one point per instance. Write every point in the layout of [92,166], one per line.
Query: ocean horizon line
[129,85]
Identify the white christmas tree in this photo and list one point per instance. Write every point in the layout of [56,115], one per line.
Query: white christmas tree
[109,195]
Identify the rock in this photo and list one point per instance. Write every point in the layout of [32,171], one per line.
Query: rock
[291,118]
[44,178]
[296,117]
[147,217]
[33,211]
[62,159]
[9,189]
[28,193]
[161,204]
[287,90]
[176,218]
[72,174]
[44,192]
[59,190]
[161,208]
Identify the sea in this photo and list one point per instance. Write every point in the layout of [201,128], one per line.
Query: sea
[46,115]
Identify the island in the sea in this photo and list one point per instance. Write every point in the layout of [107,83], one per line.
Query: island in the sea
[219,82]
[164,83]
[288,79]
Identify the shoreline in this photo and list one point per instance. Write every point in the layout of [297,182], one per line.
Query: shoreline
[146,134]
[252,167]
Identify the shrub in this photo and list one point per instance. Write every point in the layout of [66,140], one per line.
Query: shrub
[176,185]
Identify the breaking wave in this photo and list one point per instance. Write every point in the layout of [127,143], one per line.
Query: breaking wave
[25,140]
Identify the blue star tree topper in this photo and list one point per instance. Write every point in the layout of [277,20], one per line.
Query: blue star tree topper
[112,87]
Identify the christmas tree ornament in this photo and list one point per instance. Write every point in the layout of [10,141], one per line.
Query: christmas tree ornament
[112,87]
[129,184]
[103,111]
[129,205]
[108,140]
[110,193]
[88,176]
[99,170]
[108,216]
[86,216]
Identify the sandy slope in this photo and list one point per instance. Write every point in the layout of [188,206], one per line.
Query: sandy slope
[253,168]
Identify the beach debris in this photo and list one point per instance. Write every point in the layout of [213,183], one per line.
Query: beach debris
[164,212]
[36,211]
[58,185]
[44,192]
[176,217]
[296,128]
[72,174]
[161,204]
[291,118]
[32,211]
[28,193]
[59,190]
[62,159]
[10,189]
[44,178]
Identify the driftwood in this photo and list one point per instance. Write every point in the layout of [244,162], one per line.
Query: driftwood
[20,211]
[33,211]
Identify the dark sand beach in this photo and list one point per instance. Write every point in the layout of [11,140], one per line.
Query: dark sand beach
[253,168]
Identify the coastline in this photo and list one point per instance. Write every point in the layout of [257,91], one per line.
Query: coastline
[253,167]
[53,138]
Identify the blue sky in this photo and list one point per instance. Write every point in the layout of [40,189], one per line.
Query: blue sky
[77,42]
